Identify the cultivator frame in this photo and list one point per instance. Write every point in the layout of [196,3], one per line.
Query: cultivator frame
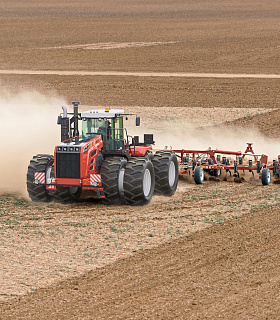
[214,161]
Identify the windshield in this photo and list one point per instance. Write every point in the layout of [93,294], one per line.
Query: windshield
[111,130]
[92,127]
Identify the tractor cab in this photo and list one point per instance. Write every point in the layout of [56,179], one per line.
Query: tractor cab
[107,123]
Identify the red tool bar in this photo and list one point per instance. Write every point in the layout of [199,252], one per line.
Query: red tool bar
[235,153]
[210,152]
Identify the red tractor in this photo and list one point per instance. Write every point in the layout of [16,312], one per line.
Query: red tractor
[103,159]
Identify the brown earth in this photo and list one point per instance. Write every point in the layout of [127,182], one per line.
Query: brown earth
[154,92]
[268,123]
[229,271]
[216,36]
[210,251]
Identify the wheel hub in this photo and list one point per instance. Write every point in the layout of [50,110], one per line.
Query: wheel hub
[268,177]
[147,182]
[120,181]
[171,174]
[201,174]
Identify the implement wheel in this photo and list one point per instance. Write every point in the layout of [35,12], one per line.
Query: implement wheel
[265,176]
[139,182]
[198,175]
[112,174]
[40,163]
[166,172]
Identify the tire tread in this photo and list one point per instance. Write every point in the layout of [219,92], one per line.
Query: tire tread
[38,163]
[161,162]
[133,181]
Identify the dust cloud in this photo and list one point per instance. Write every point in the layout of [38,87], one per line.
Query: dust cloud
[220,137]
[27,127]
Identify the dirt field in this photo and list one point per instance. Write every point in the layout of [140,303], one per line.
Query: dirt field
[228,271]
[212,250]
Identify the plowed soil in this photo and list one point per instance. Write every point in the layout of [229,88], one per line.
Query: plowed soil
[212,250]
[230,271]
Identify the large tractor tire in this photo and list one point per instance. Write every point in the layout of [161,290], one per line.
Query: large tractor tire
[39,163]
[112,174]
[67,194]
[139,182]
[166,172]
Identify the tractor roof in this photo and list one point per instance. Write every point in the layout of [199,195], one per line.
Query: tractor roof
[102,113]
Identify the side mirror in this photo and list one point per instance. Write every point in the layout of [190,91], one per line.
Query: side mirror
[137,121]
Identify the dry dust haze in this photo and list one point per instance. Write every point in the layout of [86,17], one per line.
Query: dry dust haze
[220,137]
[28,127]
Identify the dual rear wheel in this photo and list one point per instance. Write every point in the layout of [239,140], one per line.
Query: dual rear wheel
[166,172]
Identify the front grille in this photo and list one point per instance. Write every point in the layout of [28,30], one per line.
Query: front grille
[68,165]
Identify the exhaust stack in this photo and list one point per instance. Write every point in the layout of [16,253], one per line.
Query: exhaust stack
[76,115]
[64,111]
[64,122]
